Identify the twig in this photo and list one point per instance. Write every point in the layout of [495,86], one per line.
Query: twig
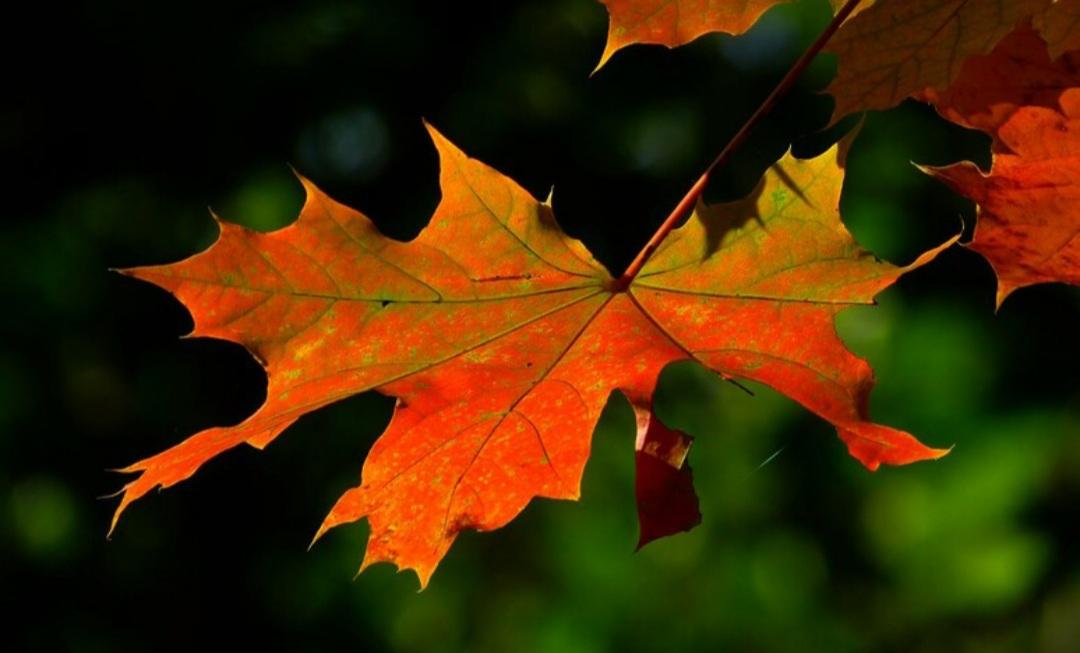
[687,202]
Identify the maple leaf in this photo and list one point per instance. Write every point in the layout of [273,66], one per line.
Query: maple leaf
[1019,72]
[1029,203]
[676,22]
[1025,99]
[502,338]
[898,48]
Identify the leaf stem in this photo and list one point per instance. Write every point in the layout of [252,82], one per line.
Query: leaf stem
[688,200]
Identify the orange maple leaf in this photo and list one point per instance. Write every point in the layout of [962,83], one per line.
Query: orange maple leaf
[676,22]
[1028,102]
[502,339]
[1029,203]
[990,88]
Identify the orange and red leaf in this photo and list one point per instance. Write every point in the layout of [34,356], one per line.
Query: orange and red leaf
[502,339]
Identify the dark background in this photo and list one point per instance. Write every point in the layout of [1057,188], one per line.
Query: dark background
[121,121]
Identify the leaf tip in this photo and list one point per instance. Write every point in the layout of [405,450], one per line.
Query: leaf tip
[125,501]
[609,49]
[215,217]
[318,536]
[925,169]
[127,272]
[873,445]
[436,135]
[302,178]
[847,141]
[423,572]
[423,578]
[443,145]
[1003,291]
[938,454]
[933,252]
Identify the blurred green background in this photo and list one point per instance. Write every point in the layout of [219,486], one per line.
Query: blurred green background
[121,121]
